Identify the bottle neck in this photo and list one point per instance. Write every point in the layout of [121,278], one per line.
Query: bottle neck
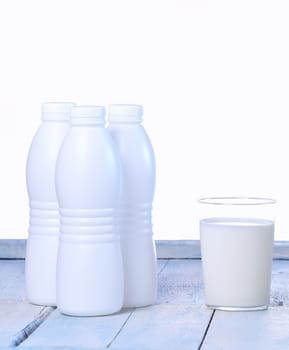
[87,122]
[123,121]
[88,115]
[55,117]
[56,111]
[125,113]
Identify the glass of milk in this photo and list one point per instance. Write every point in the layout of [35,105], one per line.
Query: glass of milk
[237,236]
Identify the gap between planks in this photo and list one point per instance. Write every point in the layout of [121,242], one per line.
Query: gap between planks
[207,329]
[29,329]
[133,310]
[24,333]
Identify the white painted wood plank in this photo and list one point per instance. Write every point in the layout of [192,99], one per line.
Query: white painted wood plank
[178,249]
[59,330]
[15,312]
[161,264]
[181,282]
[180,305]
[91,332]
[12,248]
[12,279]
[280,283]
[14,316]
[12,286]
[166,249]
[53,348]
[167,327]
[266,330]
[25,332]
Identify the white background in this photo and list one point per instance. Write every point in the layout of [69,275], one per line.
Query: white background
[212,75]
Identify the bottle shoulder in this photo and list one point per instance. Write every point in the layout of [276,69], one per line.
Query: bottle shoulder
[49,135]
[130,134]
[136,153]
[41,160]
[87,141]
[88,147]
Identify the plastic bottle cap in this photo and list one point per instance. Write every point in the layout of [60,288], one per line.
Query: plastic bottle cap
[125,113]
[88,115]
[56,110]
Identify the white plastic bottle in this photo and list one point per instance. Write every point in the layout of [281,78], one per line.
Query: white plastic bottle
[135,210]
[42,243]
[89,270]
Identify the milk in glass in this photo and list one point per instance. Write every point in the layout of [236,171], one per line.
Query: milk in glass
[236,261]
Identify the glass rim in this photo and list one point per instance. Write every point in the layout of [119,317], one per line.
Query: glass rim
[234,200]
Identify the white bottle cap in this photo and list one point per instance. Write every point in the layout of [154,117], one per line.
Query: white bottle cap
[86,115]
[125,113]
[56,110]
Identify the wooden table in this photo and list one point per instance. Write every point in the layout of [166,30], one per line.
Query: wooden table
[178,321]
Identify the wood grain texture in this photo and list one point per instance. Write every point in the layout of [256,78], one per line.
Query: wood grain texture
[88,332]
[12,279]
[12,284]
[255,330]
[53,348]
[181,282]
[170,327]
[161,265]
[177,322]
[12,248]
[280,283]
[264,330]
[14,316]
[178,249]
[15,312]
[97,332]
[166,249]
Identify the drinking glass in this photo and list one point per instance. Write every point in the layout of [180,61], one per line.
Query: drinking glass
[237,236]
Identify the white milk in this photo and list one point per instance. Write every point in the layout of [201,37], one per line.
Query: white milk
[236,261]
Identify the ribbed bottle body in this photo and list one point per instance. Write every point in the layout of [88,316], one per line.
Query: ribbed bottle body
[42,243]
[134,215]
[90,272]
